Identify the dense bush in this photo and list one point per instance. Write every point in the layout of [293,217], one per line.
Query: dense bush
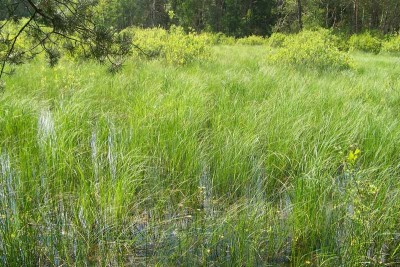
[312,49]
[341,41]
[151,41]
[365,42]
[252,40]
[175,46]
[218,38]
[392,45]
[277,39]
[182,48]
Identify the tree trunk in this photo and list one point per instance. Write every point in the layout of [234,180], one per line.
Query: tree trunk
[356,16]
[327,15]
[300,14]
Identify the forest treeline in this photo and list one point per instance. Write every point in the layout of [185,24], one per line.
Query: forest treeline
[241,17]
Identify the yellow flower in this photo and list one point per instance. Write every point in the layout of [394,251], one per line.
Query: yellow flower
[353,156]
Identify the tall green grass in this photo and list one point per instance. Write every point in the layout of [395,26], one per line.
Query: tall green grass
[230,162]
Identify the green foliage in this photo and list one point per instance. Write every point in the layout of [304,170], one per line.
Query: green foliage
[151,41]
[21,51]
[72,25]
[311,49]
[218,38]
[174,46]
[340,41]
[252,40]
[365,42]
[53,55]
[277,39]
[182,48]
[232,17]
[392,45]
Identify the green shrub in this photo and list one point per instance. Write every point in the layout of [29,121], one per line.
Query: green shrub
[311,49]
[341,41]
[365,42]
[252,40]
[392,45]
[175,46]
[150,41]
[225,40]
[182,48]
[218,38]
[277,39]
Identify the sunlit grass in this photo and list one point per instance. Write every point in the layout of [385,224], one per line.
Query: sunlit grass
[227,162]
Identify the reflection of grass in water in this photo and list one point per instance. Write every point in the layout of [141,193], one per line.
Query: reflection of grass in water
[229,162]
